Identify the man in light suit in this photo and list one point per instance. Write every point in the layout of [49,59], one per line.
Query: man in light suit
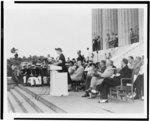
[125,72]
[98,77]
[77,75]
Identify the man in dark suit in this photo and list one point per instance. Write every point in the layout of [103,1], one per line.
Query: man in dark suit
[95,43]
[80,57]
[125,72]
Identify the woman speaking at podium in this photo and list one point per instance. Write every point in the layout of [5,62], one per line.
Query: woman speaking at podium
[59,81]
[61,62]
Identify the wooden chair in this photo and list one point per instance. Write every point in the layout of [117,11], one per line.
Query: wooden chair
[123,90]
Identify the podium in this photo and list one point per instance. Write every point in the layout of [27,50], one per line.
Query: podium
[58,81]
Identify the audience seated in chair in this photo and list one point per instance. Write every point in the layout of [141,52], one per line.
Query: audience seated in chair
[24,74]
[77,74]
[139,83]
[39,73]
[131,62]
[33,80]
[115,81]
[90,75]
[98,78]
[71,68]
[44,74]
[137,64]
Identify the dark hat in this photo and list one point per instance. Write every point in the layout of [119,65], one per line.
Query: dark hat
[59,49]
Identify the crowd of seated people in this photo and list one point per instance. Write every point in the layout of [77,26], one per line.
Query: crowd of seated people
[98,77]
[35,74]
[104,75]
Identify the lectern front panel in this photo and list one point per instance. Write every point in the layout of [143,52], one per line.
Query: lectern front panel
[58,84]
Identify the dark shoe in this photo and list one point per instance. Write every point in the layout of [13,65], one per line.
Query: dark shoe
[103,101]
[88,91]
[81,87]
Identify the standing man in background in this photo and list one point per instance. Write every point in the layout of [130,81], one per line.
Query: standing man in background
[80,57]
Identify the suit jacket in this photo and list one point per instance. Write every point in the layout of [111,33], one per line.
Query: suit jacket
[77,75]
[109,71]
[80,57]
[125,72]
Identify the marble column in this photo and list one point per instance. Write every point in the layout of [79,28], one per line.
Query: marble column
[100,26]
[105,30]
[127,19]
[96,21]
[110,24]
[93,23]
[141,24]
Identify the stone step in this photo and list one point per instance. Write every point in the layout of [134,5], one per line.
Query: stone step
[10,106]
[42,107]
[30,102]
[26,107]
[43,101]
[16,103]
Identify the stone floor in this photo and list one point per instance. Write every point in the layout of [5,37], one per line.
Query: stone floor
[74,103]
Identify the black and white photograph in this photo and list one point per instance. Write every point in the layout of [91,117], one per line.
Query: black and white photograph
[75,60]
